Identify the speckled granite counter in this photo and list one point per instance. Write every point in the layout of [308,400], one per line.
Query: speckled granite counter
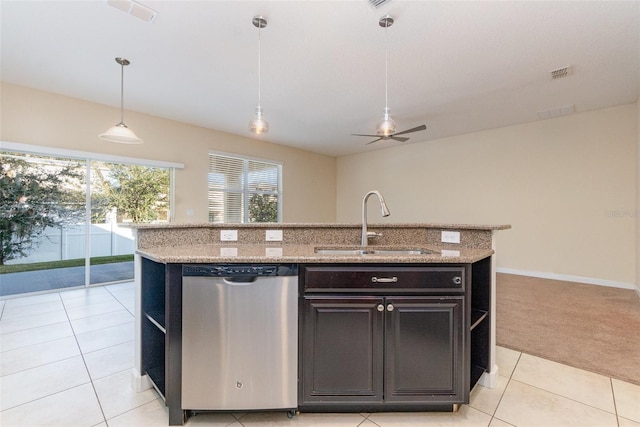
[257,253]
[200,243]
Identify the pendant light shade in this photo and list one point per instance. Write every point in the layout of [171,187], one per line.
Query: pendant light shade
[120,133]
[258,124]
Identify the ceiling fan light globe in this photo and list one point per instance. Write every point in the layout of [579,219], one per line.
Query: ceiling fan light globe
[120,134]
[386,127]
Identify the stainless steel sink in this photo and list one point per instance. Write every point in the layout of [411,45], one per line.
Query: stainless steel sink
[402,252]
[331,251]
[372,251]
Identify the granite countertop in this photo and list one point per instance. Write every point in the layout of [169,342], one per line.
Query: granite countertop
[285,253]
[317,225]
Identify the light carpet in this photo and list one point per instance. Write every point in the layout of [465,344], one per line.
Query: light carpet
[590,327]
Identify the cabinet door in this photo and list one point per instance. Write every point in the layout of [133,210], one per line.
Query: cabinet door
[424,350]
[342,350]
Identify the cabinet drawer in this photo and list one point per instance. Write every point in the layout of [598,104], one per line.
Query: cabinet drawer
[411,279]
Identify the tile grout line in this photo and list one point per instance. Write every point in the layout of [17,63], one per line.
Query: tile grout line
[52,394]
[366,418]
[119,302]
[84,362]
[493,416]
[615,406]
[568,398]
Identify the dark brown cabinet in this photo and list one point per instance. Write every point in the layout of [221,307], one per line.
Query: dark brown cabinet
[343,340]
[424,350]
[373,337]
[161,332]
[402,346]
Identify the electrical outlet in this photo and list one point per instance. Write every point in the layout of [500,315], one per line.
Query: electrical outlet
[449,253]
[450,237]
[272,252]
[228,235]
[228,251]
[273,236]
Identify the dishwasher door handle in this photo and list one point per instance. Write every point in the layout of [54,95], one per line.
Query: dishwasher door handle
[240,281]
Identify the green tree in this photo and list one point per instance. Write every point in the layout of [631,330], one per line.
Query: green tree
[139,193]
[34,197]
[263,208]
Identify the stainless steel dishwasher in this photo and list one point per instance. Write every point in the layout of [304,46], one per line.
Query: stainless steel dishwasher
[240,337]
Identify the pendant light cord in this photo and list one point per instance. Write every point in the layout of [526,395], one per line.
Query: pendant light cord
[259,62]
[386,66]
[122,93]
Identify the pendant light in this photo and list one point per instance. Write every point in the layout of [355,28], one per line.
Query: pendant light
[386,126]
[258,124]
[120,133]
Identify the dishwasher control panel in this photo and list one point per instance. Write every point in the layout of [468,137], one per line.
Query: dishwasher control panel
[239,270]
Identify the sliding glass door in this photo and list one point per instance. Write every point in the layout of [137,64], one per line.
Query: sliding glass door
[63,220]
[41,223]
[122,194]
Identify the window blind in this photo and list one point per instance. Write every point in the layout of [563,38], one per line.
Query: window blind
[243,190]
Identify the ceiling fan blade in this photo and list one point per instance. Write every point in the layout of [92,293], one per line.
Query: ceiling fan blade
[400,139]
[415,129]
[375,140]
[363,134]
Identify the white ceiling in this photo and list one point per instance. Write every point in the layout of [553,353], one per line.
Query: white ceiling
[455,66]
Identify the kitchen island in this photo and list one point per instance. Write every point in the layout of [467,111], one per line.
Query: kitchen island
[421,284]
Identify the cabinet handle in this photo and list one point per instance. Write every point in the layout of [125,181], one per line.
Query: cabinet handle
[390,307]
[384,279]
[457,280]
[380,307]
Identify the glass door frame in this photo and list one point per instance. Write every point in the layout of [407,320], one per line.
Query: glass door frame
[88,157]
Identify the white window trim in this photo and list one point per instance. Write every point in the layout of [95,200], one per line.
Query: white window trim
[77,154]
[242,156]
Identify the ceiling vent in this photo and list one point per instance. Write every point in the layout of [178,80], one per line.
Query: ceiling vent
[560,73]
[558,111]
[378,3]
[134,8]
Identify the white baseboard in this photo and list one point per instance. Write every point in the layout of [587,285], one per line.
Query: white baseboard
[570,278]
[490,379]
[139,382]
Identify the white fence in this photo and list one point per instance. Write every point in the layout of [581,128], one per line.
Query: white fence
[58,244]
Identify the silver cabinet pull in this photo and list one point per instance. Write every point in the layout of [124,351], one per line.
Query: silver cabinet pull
[390,307]
[384,279]
[457,280]
[380,307]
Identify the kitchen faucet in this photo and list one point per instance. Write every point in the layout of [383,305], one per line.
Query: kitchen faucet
[385,212]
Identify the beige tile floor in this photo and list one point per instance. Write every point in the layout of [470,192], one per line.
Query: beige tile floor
[65,360]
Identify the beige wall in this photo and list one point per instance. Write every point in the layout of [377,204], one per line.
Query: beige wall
[33,117]
[638,202]
[567,185]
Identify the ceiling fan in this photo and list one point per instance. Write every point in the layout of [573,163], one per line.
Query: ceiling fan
[394,136]
[387,127]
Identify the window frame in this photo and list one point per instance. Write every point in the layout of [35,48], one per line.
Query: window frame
[245,190]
